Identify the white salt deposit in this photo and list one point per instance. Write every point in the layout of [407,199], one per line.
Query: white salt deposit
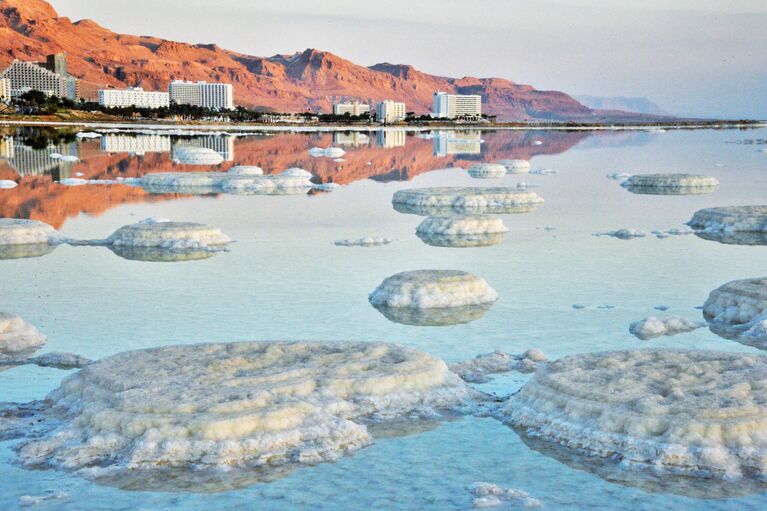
[623,234]
[73,181]
[537,142]
[368,241]
[737,302]
[339,160]
[478,369]
[487,495]
[17,337]
[197,156]
[426,289]
[515,166]
[292,180]
[618,175]
[652,327]
[334,152]
[169,236]
[487,171]
[36,500]
[70,158]
[441,200]
[18,231]
[88,134]
[6,184]
[670,184]
[461,231]
[316,152]
[246,170]
[296,172]
[544,172]
[55,156]
[692,412]
[684,231]
[247,405]
[731,219]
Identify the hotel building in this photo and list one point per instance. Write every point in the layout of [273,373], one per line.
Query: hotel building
[215,96]
[354,108]
[390,111]
[5,90]
[49,77]
[133,96]
[453,106]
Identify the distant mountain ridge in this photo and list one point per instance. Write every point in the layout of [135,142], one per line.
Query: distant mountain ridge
[637,105]
[304,81]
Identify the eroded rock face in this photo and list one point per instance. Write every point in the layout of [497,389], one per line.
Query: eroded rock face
[731,219]
[432,289]
[688,412]
[248,404]
[469,200]
[670,184]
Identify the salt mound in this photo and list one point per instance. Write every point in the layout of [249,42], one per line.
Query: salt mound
[623,234]
[169,236]
[670,184]
[7,184]
[491,495]
[197,156]
[249,405]
[731,219]
[515,166]
[689,412]
[470,200]
[478,369]
[70,159]
[18,231]
[461,231]
[17,337]
[652,327]
[296,172]
[334,152]
[290,181]
[368,241]
[182,182]
[487,171]
[246,170]
[738,302]
[428,289]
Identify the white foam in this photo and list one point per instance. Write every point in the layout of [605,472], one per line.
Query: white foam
[478,369]
[18,231]
[693,412]
[426,289]
[652,327]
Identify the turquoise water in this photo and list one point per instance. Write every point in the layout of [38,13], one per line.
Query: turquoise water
[284,279]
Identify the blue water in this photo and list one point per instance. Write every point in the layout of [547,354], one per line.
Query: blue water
[284,279]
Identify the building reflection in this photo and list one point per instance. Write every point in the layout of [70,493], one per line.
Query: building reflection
[389,139]
[450,142]
[30,161]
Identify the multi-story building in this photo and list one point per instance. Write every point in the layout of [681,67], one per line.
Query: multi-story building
[136,144]
[215,96]
[133,96]
[5,90]
[390,111]
[390,138]
[50,77]
[452,106]
[354,108]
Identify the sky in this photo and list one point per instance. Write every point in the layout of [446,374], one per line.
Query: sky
[691,57]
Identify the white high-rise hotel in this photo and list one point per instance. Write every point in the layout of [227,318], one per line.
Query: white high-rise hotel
[215,96]
[133,96]
[456,105]
[390,111]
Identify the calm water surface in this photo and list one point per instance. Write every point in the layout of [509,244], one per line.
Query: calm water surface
[284,279]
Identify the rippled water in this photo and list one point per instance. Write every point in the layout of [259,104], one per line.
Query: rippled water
[285,279]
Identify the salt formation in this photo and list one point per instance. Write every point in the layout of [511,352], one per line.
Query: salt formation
[36,500]
[623,234]
[490,495]
[652,327]
[731,219]
[329,152]
[163,255]
[170,236]
[428,289]
[515,166]
[368,241]
[246,405]
[55,156]
[70,159]
[296,172]
[18,231]
[245,181]
[454,200]
[246,170]
[197,156]
[672,232]
[7,184]
[670,184]
[59,360]
[18,339]
[73,181]
[618,175]
[688,412]
[738,310]
[544,172]
[487,171]
[461,231]
[478,369]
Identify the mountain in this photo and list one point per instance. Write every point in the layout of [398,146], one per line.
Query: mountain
[636,105]
[308,80]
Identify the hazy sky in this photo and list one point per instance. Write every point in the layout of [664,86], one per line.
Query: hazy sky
[694,57]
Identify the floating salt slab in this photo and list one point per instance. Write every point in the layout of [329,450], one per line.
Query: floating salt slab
[737,310]
[730,219]
[515,166]
[487,495]
[368,241]
[73,181]
[19,231]
[334,152]
[672,232]
[161,255]
[296,172]
[670,184]
[7,184]
[55,156]
[479,369]
[487,171]
[182,182]
[429,289]
[36,500]
[544,172]
[623,234]
[169,236]
[470,200]
[461,231]
[652,327]
[695,413]
[197,156]
[60,360]
[18,339]
[339,160]
[249,406]
[70,159]
[246,170]
[618,175]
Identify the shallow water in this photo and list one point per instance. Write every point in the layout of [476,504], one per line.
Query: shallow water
[285,279]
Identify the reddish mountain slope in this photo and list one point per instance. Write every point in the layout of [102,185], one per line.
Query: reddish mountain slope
[30,29]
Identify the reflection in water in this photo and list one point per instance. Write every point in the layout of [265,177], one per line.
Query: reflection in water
[734,238]
[160,255]
[434,316]
[27,250]
[460,240]
[690,190]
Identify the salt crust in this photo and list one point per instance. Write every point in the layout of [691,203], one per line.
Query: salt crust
[427,289]
[6,184]
[292,180]
[246,170]
[197,156]
[248,404]
[464,200]
[738,310]
[488,495]
[731,219]
[670,184]
[487,171]
[652,327]
[690,412]
[368,241]
[17,337]
[478,369]
[623,234]
[17,231]
[461,231]
[169,236]
[515,166]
